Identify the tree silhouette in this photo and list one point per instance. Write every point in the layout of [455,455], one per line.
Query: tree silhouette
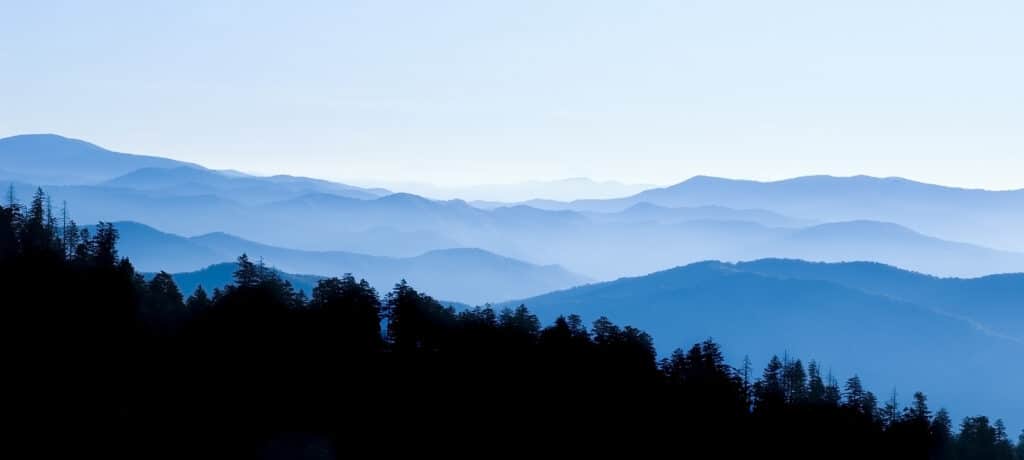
[177,377]
[199,301]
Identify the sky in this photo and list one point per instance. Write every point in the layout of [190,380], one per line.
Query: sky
[460,93]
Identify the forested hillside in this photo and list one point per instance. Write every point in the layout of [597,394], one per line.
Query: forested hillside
[110,364]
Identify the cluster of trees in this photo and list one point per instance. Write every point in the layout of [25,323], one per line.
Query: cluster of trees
[132,363]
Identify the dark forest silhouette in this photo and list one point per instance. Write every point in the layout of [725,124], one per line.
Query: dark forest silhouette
[136,368]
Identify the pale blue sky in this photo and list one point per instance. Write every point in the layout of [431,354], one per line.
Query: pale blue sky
[484,91]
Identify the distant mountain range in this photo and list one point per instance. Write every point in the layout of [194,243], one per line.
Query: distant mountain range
[815,218]
[494,195]
[979,216]
[888,325]
[48,159]
[191,181]
[466,275]
[218,276]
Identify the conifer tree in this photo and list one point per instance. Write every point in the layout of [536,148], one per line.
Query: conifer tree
[246,275]
[815,385]
[198,301]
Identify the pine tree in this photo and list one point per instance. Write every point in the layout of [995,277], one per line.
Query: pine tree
[198,301]
[72,238]
[918,411]
[162,286]
[890,414]
[769,393]
[815,385]
[300,299]
[12,200]
[1003,445]
[33,237]
[941,431]
[84,249]
[855,394]
[1020,446]
[748,386]
[246,275]
[795,382]
[9,246]
[832,393]
[104,245]
[870,406]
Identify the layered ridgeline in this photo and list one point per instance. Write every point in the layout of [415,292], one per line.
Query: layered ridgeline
[258,369]
[457,274]
[47,159]
[886,324]
[815,218]
[978,216]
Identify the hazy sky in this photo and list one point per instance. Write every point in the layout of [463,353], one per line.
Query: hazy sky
[486,91]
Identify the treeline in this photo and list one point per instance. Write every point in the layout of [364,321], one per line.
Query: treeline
[131,367]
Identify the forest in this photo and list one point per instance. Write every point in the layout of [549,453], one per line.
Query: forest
[107,361]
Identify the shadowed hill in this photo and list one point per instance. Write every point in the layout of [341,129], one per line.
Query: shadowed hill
[981,216]
[53,159]
[466,275]
[849,313]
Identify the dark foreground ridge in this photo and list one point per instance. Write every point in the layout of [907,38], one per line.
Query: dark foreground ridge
[109,364]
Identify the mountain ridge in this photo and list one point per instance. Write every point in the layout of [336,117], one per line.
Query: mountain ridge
[468,275]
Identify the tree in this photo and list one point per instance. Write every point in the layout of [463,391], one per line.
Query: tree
[84,250]
[855,395]
[815,385]
[1020,446]
[979,439]
[604,332]
[748,385]
[163,309]
[34,238]
[104,245]
[198,301]
[890,413]
[941,431]
[870,406]
[918,410]
[416,322]
[351,309]
[162,286]
[246,275]
[566,336]
[71,238]
[795,382]
[8,232]
[300,299]
[832,393]
[769,393]
[1004,448]
[519,323]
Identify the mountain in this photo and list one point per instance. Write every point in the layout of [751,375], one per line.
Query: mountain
[891,244]
[467,275]
[51,159]
[647,212]
[495,195]
[852,315]
[641,239]
[702,218]
[219,275]
[993,302]
[609,250]
[189,181]
[977,216]
[151,250]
